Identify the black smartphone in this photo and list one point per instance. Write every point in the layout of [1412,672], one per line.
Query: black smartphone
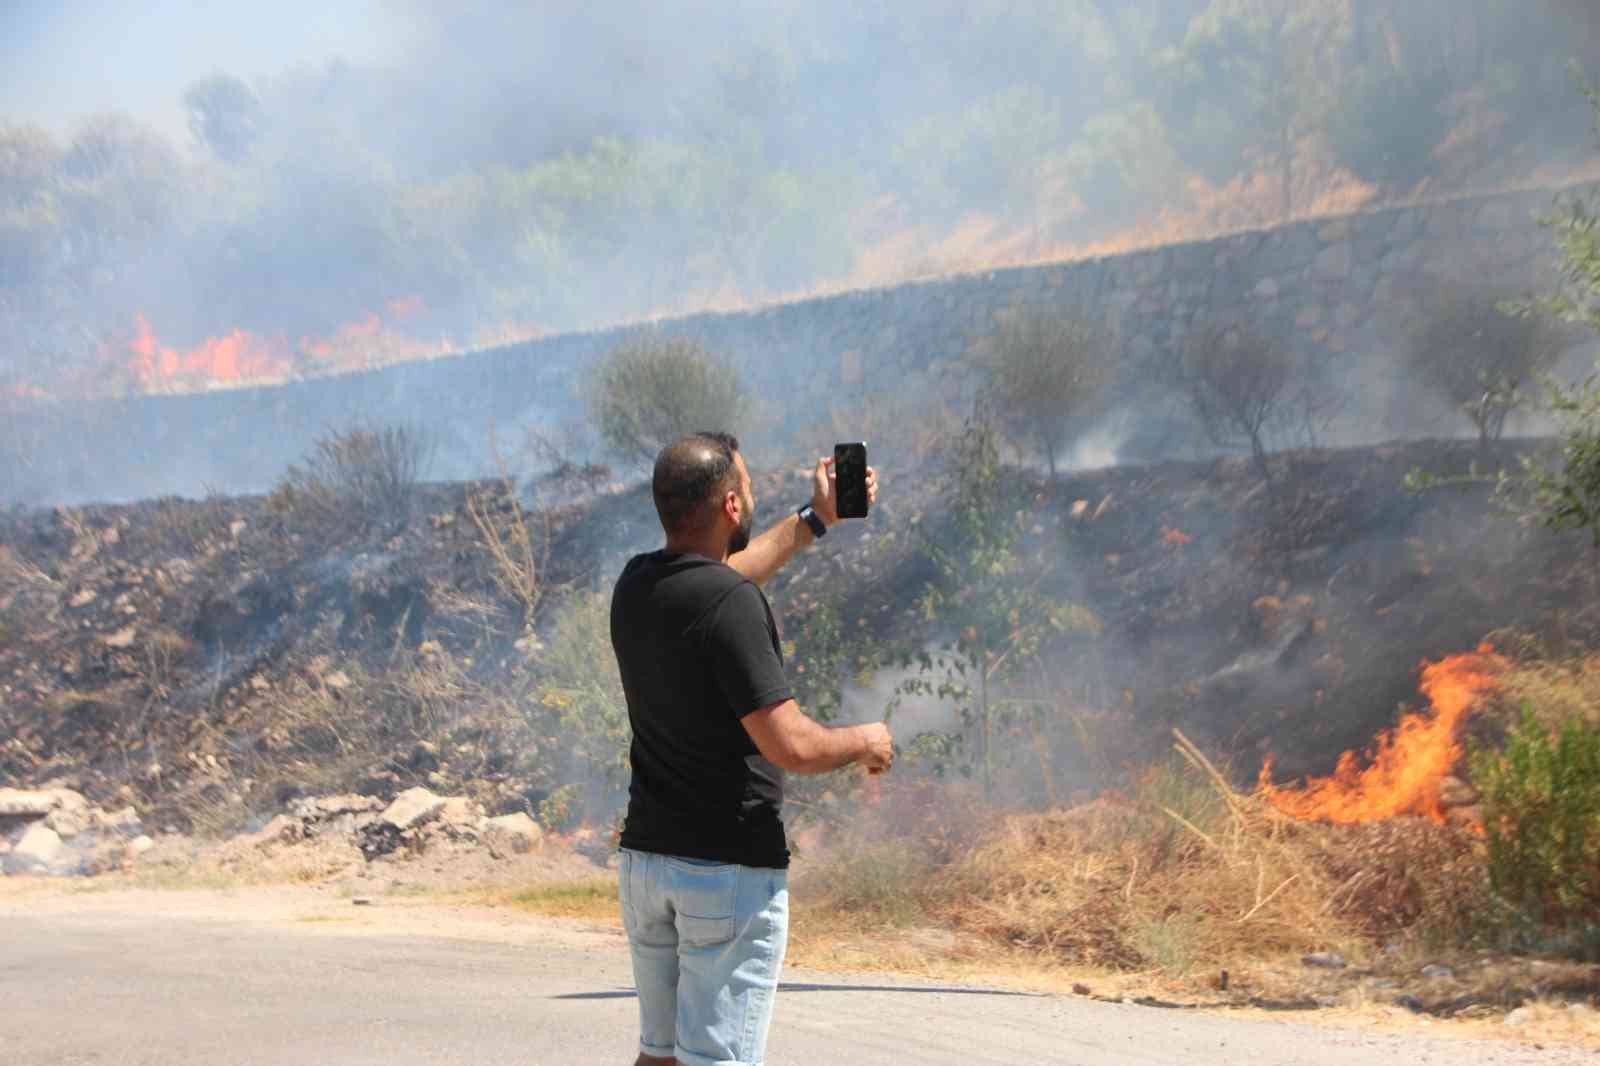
[850,472]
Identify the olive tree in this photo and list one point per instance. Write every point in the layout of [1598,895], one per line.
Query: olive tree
[1042,370]
[1240,385]
[1566,492]
[651,389]
[1480,357]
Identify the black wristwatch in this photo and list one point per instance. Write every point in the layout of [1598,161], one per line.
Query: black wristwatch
[809,516]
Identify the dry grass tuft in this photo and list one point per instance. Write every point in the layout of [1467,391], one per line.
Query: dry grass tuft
[517,544]
[1556,690]
[17,573]
[1187,873]
[1405,879]
[594,899]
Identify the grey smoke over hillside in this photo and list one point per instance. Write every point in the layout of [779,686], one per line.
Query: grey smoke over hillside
[328,192]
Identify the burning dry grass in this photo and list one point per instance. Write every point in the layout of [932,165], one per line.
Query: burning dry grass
[1186,877]
[1402,772]
[1188,874]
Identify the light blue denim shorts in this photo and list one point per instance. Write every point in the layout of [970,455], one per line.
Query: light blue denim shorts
[708,941]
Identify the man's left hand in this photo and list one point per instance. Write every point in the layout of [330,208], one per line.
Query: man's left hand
[824,492]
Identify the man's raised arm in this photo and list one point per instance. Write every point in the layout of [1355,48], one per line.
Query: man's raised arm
[767,553]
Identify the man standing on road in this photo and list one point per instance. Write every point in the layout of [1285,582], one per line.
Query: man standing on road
[703,876]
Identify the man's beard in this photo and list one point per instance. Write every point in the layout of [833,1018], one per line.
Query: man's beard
[740,540]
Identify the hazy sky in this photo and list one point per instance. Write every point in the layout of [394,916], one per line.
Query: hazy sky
[61,60]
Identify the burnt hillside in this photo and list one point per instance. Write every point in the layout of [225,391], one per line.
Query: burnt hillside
[209,660]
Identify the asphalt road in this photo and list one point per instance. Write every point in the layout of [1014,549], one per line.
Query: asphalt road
[130,989]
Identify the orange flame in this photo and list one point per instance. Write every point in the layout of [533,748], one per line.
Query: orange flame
[1406,764]
[1175,538]
[241,356]
[24,390]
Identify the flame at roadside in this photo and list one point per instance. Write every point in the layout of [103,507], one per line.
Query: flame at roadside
[1403,768]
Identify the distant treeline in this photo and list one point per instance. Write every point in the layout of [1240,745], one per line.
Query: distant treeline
[557,168]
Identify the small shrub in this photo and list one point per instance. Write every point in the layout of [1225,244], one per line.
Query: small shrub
[354,481]
[1238,384]
[517,544]
[562,808]
[1043,371]
[1541,810]
[1564,492]
[1177,798]
[1171,944]
[879,878]
[650,390]
[191,523]
[580,684]
[1479,357]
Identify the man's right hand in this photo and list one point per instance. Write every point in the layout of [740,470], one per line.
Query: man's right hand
[879,755]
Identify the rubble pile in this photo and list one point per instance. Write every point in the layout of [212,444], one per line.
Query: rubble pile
[413,823]
[56,831]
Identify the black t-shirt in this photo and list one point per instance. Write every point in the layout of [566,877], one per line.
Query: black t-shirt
[698,650]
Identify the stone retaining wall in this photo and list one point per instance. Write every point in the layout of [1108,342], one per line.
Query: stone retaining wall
[1338,286]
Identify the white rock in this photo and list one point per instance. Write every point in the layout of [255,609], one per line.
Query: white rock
[349,803]
[124,822]
[460,811]
[1327,960]
[67,823]
[19,803]
[40,851]
[412,807]
[283,829]
[71,815]
[514,832]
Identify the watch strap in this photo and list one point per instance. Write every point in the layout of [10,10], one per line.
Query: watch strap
[809,516]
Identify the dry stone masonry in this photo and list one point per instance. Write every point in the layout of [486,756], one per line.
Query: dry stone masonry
[1337,286]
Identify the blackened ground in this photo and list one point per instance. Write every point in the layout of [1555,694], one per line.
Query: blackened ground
[211,656]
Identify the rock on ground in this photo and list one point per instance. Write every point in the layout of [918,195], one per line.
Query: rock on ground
[40,851]
[26,804]
[515,833]
[125,822]
[411,808]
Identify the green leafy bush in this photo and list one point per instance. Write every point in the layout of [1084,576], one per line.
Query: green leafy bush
[1044,371]
[1541,808]
[650,390]
[1478,356]
[996,619]
[581,685]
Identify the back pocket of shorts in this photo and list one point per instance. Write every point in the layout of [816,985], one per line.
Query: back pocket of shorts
[704,899]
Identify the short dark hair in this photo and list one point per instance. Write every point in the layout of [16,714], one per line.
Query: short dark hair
[689,472]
